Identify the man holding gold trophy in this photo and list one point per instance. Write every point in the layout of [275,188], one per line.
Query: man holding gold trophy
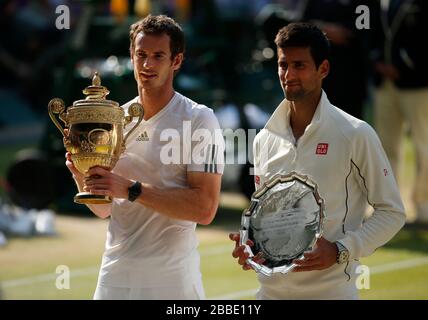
[153,199]
[316,170]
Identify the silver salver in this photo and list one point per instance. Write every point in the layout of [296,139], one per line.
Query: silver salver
[284,220]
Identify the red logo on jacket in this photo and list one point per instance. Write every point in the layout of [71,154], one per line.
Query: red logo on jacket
[322,148]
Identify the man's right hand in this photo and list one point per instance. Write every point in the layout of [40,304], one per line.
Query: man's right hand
[69,163]
[240,253]
[78,177]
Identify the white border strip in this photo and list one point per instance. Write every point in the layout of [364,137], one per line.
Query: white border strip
[214,250]
[392,266]
[47,277]
[210,251]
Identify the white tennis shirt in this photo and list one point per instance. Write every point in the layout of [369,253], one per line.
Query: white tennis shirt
[145,248]
[344,156]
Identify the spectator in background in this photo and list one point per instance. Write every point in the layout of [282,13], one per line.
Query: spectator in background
[30,47]
[346,85]
[401,95]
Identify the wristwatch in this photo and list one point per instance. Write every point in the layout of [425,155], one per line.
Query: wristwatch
[134,191]
[342,253]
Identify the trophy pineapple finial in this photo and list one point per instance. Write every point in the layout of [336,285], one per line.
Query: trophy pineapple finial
[96,90]
[96,80]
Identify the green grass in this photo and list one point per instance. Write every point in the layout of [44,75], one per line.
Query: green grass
[80,243]
[407,283]
[411,284]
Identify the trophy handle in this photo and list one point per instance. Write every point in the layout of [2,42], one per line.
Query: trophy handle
[134,110]
[57,106]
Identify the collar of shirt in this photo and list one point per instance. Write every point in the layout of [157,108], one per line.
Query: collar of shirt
[279,122]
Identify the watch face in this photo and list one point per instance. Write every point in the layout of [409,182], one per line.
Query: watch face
[134,191]
[343,256]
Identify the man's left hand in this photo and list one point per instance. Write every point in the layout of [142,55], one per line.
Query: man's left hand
[101,181]
[321,257]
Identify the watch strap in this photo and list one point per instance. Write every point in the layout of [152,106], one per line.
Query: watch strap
[134,191]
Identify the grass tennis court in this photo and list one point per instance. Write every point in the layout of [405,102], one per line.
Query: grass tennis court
[399,270]
[27,266]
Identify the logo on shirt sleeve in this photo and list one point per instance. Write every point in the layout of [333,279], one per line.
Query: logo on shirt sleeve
[257,180]
[322,148]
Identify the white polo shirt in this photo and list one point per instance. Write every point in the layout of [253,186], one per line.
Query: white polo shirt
[344,156]
[145,248]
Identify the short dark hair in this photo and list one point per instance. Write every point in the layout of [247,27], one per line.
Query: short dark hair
[158,25]
[302,34]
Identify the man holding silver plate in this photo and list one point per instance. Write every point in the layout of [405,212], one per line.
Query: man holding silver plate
[316,170]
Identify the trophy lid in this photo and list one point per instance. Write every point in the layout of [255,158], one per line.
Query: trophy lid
[96,91]
[95,94]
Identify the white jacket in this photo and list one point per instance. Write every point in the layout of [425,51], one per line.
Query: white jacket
[344,156]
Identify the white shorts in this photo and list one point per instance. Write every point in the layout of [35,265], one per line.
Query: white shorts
[191,291]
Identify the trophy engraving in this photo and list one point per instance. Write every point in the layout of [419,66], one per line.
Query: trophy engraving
[284,220]
[95,131]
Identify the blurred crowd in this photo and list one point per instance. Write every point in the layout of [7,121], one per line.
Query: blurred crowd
[377,74]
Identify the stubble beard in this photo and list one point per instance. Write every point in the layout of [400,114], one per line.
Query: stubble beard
[295,95]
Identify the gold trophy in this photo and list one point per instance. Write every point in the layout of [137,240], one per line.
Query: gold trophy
[95,132]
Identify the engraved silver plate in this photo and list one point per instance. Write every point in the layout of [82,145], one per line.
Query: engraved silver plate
[284,220]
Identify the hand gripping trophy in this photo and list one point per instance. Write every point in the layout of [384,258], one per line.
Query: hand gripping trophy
[94,135]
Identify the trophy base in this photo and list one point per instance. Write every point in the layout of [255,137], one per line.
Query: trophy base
[89,198]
